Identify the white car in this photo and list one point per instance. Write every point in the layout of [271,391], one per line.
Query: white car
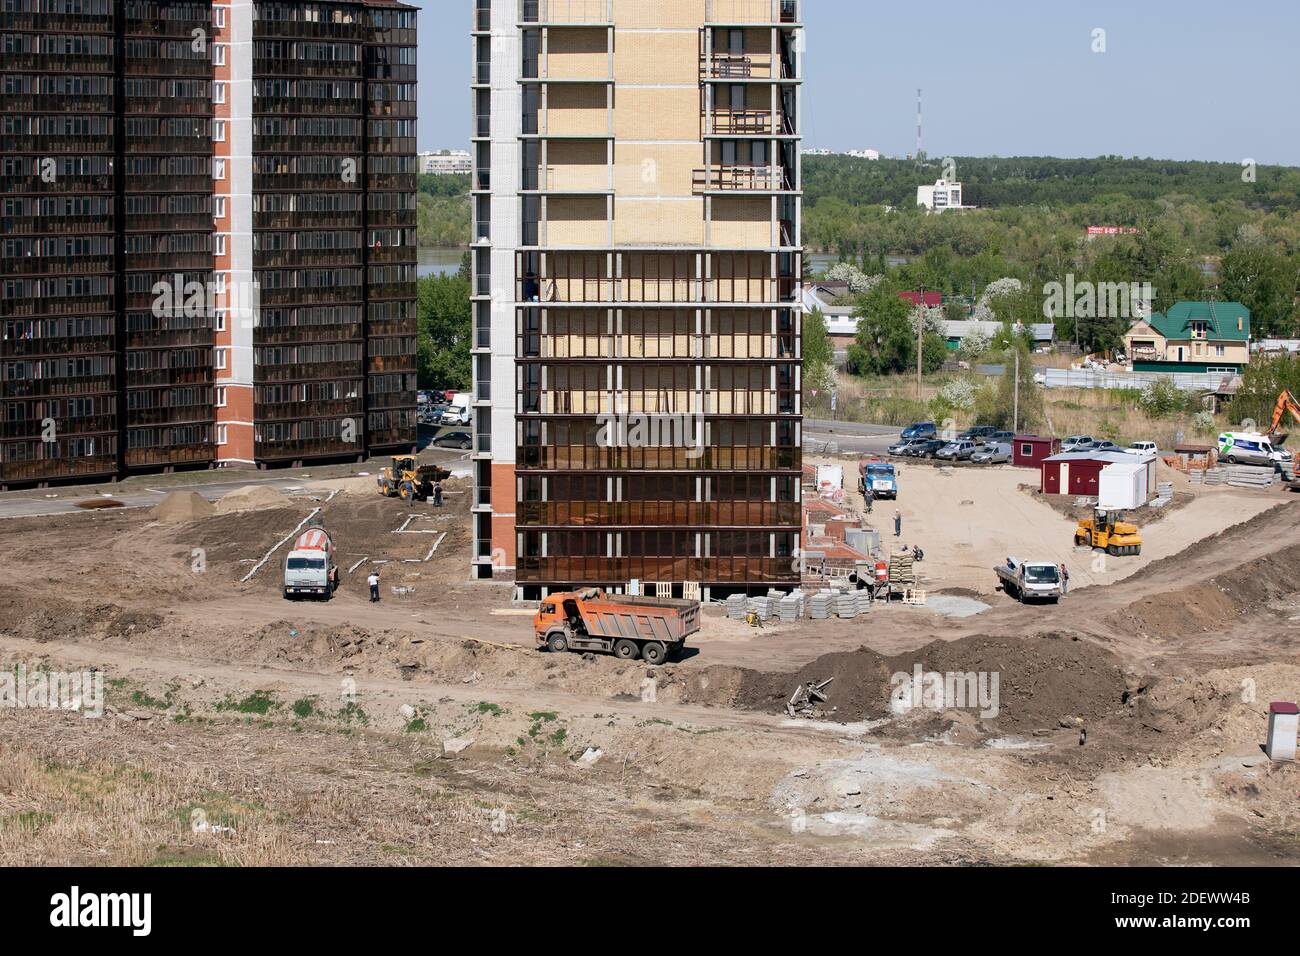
[1143,448]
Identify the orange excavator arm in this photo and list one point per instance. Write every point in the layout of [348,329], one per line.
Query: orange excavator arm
[1286,402]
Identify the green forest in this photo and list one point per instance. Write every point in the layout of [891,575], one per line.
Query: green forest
[1203,231]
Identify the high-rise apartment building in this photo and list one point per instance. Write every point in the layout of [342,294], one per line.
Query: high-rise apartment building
[208,220]
[637,264]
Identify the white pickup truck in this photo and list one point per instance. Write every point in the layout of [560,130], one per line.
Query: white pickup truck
[1030,580]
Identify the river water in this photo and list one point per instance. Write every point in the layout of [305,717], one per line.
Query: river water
[437,261]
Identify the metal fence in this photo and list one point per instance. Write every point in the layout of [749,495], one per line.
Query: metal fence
[1091,378]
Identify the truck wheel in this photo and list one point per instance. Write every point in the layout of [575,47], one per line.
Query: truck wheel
[654,652]
[557,643]
[626,650]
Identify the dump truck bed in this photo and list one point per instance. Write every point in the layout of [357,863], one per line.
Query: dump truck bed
[648,619]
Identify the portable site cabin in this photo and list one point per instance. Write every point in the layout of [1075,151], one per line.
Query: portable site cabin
[1028,451]
[1123,486]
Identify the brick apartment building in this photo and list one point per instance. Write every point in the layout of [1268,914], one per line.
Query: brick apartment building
[637,254]
[207,233]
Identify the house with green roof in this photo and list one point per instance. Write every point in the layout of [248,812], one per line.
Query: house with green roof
[1191,337]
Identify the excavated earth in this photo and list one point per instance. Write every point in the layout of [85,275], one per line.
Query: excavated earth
[428,728]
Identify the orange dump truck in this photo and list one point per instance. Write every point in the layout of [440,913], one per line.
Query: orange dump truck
[627,627]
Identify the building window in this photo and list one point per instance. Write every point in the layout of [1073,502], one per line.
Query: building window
[219,54]
[221,435]
[1218,350]
[218,92]
[221,245]
[219,131]
[219,210]
[219,17]
[220,318]
[221,397]
[220,358]
[219,169]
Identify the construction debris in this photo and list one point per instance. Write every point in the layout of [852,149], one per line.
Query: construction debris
[806,698]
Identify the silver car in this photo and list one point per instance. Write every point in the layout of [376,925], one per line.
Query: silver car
[958,450]
[994,454]
[1078,443]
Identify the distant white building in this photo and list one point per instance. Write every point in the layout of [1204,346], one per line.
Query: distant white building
[446,162]
[864,153]
[818,151]
[944,194]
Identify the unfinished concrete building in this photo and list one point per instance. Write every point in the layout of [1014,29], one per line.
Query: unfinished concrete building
[637,266]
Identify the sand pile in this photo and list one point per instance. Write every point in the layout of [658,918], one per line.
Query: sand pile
[251,498]
[182,506]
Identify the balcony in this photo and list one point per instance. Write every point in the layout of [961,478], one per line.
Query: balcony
[742,122]
[736,178]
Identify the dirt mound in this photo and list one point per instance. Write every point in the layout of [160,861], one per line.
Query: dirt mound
[182,506]
[251,498]
[1222,601]
[1040,680]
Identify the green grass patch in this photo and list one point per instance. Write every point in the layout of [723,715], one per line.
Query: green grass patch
[259,702]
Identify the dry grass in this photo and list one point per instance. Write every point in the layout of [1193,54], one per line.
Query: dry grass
[1116,415]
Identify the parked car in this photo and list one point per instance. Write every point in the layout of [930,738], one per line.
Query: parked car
[1077,443]
[919,430]
[904,446]
[957,450]
[993,453]
[998,437]
[1143,448]
[925,448]
[1103,445]
[456,439]
[982,431]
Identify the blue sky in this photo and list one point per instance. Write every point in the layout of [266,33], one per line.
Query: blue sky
[1179,79]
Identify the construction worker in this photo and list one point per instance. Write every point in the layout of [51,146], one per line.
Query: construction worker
[898,524]
[1065,579]
[868,495]
[373,581]
[437,495]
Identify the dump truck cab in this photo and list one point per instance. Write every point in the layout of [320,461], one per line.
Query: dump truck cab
[1108,530]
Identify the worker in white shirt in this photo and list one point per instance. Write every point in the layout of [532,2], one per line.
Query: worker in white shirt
[373,581]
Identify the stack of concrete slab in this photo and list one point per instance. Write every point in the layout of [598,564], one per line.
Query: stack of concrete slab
[736,606]
[1215,476]
[819,605]
[791,607]
[846,604]
[1164,494]
[763,606]
[1250,476]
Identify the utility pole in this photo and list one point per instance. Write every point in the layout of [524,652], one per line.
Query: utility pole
[920,330]
[1015,400]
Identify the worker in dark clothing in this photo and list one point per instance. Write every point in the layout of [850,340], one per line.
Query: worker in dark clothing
[437,495]
[1065,579]
[870,497]
[898,524]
